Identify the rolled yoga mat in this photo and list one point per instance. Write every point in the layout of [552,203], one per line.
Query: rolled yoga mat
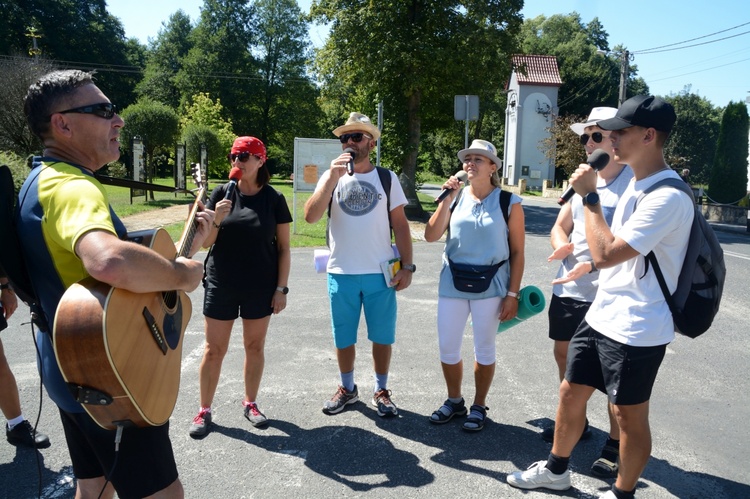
[530,302]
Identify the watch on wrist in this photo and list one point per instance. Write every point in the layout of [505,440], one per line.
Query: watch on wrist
[512,294]
[411,268]
[591,199]
[283,290]
[593,267]
[5,286]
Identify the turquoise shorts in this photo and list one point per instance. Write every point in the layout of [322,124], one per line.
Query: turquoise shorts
[348,294]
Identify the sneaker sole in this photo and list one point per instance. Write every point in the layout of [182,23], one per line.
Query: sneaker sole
[199,434]
[257,424]
[529,486]
[336,411]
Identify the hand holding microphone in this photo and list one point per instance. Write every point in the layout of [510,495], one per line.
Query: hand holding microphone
[350,163]
[597,160]
[235,174]
[462,176]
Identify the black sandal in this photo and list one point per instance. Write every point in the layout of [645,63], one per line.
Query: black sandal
[476,419]
[440,417]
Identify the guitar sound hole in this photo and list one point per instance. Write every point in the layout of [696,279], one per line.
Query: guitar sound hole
[170,299]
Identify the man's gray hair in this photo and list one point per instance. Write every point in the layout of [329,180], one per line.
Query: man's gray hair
[46,93]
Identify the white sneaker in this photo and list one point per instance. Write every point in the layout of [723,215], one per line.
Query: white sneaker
[608,495]
[537,475]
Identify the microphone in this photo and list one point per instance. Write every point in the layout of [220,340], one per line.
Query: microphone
[235,174]
[350,164]
[597,160]
[460,175]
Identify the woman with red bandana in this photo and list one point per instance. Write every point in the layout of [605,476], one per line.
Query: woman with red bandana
[253,219]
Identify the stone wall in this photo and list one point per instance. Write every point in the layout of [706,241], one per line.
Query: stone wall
[724,214]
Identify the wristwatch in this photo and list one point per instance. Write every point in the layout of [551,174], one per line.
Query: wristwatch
[5,286]
[512,294]
[411,268]
[592,199]
[284,290]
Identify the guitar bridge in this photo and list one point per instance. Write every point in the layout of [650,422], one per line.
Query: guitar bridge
[155,332]
[88,395]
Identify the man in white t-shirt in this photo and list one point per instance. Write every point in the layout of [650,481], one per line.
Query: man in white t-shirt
[360,240]
[620,345]
[575,286]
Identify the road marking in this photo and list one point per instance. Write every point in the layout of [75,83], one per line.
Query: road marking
[737,255]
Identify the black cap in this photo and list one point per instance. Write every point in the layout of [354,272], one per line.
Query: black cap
[642,110]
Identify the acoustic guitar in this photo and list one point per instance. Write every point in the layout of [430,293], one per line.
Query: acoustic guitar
[120,352]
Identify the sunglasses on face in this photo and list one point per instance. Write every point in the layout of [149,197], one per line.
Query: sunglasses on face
[242,157]
[596,137]
[105,110]
[356,137]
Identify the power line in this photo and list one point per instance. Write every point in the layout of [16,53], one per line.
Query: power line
[692,39]
[701,70]
[653,51]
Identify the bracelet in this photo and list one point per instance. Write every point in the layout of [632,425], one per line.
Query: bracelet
[5,286]
[512,294]
[593,267]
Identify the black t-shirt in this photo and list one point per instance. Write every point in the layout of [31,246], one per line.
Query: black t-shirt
[245,255]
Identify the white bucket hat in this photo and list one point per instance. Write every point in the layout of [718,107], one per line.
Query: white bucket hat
[597,114]
[481,147]
[358,122]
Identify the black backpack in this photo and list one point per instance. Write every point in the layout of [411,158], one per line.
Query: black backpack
[11,256]
[695,302]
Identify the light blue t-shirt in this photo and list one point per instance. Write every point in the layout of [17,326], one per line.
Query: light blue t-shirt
[478,234]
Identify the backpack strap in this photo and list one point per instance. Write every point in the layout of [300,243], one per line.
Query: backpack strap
[505,203]
[678,184]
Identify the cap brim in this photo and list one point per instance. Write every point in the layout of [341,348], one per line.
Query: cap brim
[614,124]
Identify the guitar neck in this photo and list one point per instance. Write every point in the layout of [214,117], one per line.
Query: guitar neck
[188,233]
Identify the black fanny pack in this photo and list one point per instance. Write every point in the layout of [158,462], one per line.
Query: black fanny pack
[473,278]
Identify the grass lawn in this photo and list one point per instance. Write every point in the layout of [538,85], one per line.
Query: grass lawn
[305,234]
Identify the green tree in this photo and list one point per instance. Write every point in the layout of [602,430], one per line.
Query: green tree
[692,143]
[728,183]
[414,55]
[201,115]
[219,62]
[563,146]
[165,60]
[155,123]
[80,32]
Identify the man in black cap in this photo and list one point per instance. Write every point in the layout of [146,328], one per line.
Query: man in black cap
[620,345]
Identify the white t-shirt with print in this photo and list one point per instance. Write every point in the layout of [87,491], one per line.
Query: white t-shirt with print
[629,306]
[360,234]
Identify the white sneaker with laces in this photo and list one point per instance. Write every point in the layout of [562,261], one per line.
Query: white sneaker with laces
[608,495]
[538,476]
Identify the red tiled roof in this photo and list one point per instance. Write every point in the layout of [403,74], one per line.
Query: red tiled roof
[536,70]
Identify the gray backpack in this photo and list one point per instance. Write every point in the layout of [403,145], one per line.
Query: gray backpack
[695,302]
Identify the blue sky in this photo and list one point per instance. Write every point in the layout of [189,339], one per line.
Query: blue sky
[716,69]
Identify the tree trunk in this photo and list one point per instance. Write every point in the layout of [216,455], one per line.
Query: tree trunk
[408,177]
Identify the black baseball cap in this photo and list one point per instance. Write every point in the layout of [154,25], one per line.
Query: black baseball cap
[642,110]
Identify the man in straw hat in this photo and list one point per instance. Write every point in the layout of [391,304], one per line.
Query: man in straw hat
[360,240]
[575,286]
[620,345]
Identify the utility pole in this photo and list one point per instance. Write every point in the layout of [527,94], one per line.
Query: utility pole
[624,70]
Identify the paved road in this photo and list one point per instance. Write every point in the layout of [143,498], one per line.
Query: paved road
[700,406]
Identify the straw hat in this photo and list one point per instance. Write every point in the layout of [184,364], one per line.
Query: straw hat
[481,147]
[358,122]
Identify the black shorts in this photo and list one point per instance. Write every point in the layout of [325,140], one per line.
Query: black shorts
[145,464]
[565,315]
[626,373]
[226,305]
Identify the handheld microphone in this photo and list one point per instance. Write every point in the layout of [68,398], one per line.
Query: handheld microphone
[350,164]
[461,176]
[597,160]
[235,174]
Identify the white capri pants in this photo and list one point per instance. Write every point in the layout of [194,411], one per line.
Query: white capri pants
[452,315]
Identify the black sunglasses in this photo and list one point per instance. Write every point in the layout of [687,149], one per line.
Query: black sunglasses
[596,137]
[243,157]
[105,110]
[356,137]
